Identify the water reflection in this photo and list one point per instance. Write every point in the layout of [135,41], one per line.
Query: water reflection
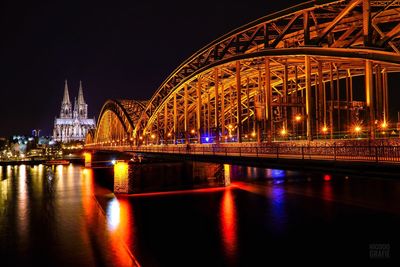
[228,224]
[113,214]
[50,217]
[278,212]
[23,202]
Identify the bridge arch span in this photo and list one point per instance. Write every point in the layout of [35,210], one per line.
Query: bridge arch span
[305,53]
[318,70]
[117,121]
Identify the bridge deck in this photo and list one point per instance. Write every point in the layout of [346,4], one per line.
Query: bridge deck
[377,154]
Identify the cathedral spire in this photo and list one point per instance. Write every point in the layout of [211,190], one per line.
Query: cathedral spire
[66,94]
[81,100]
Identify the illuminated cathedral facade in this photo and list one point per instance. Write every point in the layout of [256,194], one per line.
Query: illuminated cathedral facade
[73,123]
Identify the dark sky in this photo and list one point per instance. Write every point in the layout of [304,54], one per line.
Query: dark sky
[119,49]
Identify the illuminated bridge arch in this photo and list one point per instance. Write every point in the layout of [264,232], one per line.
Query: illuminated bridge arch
[299,64]
[117,121]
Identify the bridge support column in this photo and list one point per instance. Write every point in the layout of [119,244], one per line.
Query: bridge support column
[166,123]
[239,102]
[121,177]
[385,96]
[175,120]
[369,84]
[216,114]
[268,100]
[198,111]
[88,159]
[223,134]
[185,107]
[308,97]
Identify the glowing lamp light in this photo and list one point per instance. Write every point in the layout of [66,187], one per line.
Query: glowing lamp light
[324,129]
[207,139]
[192,131]
[141,137]
[283,132]
[230,126]
[384,125]
[169,134]
[327,177]
[357,129]
[153,136]
[245,136]
[297,118]
[113,162]
[253,134]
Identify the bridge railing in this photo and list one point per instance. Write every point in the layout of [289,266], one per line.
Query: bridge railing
[345,153]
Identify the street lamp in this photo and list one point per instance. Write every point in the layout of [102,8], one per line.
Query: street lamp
[297,118]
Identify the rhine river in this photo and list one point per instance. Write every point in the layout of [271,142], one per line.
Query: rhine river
[63,216]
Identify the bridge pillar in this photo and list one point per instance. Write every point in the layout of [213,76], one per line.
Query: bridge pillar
[186,118]
[369,97]
[239,102]
[121,177]
[198,111]
[268,98]
[216,119]
[308,96]
[88,159]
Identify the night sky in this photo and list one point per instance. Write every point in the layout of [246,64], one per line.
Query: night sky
[119,49]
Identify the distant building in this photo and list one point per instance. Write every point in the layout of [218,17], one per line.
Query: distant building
[73,125]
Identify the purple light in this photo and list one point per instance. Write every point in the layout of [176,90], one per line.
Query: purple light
[207,139]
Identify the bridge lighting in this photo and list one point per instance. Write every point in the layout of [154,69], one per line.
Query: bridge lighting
[169,134]
[153,136]
[140,137]
[324,129]
[297,118]
[384,125]
[192,131]
[253,134]
[357,129]
[283,132]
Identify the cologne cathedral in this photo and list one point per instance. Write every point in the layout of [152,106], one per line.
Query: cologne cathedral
[73,124]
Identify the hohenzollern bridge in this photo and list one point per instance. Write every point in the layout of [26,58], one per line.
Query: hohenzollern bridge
[308,81]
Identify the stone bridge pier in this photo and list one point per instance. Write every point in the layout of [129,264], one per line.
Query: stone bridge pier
[135,177]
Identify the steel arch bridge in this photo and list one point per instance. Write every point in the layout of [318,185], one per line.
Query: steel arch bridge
[316,70]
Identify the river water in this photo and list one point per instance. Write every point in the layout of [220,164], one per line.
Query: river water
[66,216]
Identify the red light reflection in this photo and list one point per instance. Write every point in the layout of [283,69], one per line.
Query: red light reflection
[327,177]
[228,223]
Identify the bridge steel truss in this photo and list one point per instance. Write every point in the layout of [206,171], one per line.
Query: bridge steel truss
[117,121]
[313,70]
